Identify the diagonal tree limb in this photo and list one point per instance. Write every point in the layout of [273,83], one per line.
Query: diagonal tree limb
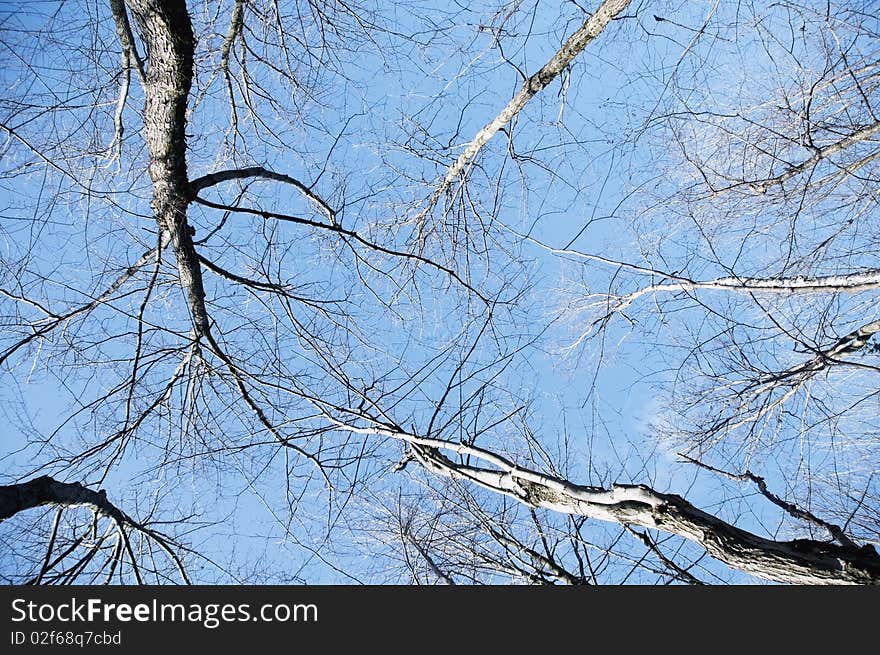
[435,569]
[762,186]
[130,56]
[236,25]
[573,46]
[126,38]
[843,283]
[539,559]
[791,509]
[795,375]
[800,561]
[856,281]
[103,297]
[650,544]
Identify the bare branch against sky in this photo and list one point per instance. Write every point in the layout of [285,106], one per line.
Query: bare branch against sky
[420,292]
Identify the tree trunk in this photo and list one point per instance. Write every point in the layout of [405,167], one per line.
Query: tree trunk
[166,30]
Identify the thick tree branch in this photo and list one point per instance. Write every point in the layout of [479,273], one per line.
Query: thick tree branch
[212,179]
[790,380]
[852,342]
[853,282]
[575,44]
[843,283]
[676,283]
[45,490]
[800,561]
[48,491]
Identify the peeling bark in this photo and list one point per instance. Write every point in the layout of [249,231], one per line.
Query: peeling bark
[166,29]
[800,561]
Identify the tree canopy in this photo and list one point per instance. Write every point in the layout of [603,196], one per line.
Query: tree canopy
[422,292]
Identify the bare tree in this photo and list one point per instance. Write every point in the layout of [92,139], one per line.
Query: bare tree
[754,271]
[80,547]
[240,274]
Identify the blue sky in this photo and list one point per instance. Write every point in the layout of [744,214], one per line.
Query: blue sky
[372,127]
